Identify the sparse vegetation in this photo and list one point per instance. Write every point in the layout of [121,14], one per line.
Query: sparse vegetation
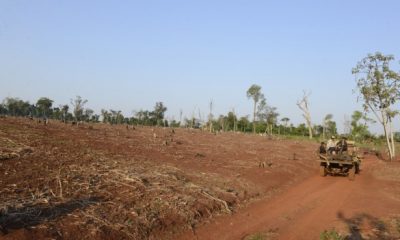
[331,235]
[107,180]
[257,236]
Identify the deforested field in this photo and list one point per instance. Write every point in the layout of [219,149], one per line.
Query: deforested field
[99,181]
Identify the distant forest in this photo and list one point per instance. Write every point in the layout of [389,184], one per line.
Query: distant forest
[267,119]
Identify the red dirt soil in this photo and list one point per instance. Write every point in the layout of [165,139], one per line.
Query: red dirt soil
[314,205]
[108,182]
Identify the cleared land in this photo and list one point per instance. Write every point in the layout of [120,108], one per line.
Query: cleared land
[107,182]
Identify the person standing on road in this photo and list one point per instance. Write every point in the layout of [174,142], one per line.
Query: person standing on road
[331,145]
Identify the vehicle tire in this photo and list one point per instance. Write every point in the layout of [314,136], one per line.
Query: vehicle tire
[352,173]
[357,168]
[322,171]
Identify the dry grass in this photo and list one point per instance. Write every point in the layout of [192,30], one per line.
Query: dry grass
[389,172]
[107,182]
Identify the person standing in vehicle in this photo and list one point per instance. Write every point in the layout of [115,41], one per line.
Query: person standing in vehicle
[331,145]
[342,145]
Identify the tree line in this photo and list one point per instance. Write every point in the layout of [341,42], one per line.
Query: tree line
[266,121]
[378,87]
[78,112]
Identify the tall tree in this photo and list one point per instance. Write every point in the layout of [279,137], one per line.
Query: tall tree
[272,118]
[303,104]
[267,114]
[244,124]
[64,110]
[262,111]
[78,103]
[379,90]
[159,111]
[254,92]
[44,104]
[230,121]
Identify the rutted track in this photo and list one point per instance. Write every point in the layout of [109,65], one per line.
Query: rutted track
[310,207]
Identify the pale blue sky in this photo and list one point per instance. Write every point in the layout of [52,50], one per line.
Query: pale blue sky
[127,55]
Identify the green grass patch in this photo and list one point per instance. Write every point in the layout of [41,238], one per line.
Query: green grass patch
[331,235]
[256,236]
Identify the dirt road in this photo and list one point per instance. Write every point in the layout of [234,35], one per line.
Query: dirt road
[310,207]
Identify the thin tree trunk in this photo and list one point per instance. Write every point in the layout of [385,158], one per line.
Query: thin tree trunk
[310,133]
[385,129]
[303,105]
[254,117]
[392,139]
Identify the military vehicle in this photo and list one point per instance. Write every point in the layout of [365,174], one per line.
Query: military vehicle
[341,162]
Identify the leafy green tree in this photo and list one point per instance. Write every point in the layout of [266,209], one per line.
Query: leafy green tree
[329,127]
[327,119]
[254,92]
[44,104]
[397,136]
[158,113]
[301,129]
[318,130]
[285,121]
[106,116]
[88,114]
[192,122]
[244,124]
[174,124]
[116,117]
[3,109]
[359,131]
[230,121]
[95,118]
[379,90]
[267,114]
[119,118]
[143,117]
[222,122]
[56,113]
[64,110]
[17,107]
[272,118]
[262,110]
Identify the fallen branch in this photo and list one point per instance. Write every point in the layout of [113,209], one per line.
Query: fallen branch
[216,199]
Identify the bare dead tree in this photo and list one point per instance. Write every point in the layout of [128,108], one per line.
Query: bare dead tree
[210,116]
[303,104]
[180,117]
